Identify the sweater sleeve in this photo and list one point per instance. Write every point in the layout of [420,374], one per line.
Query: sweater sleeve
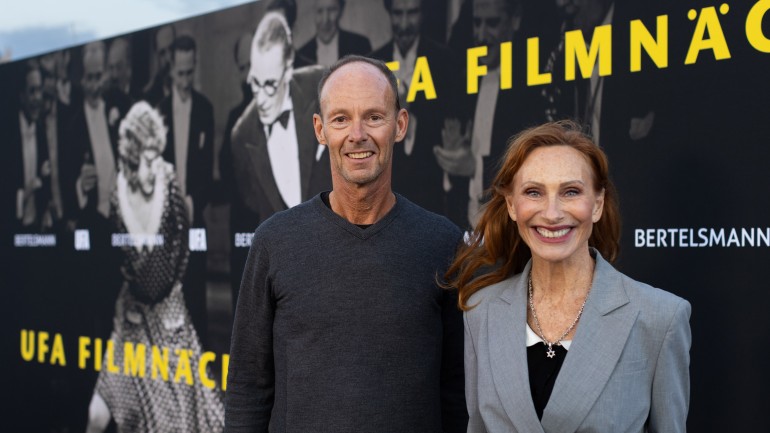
[454,413]
[251,373]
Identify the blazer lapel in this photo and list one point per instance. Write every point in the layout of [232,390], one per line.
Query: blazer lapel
[596,348]
[307,144]
[508,355]
[260,159]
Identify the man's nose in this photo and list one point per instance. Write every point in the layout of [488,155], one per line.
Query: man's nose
[357,131]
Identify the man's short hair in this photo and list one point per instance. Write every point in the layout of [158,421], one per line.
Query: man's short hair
[272,30]
[94,50]
[124,43]
[182,43]
[353,58]
[25,68]
[389,5]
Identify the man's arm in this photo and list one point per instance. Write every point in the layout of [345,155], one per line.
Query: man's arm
[454,414]
[251,373]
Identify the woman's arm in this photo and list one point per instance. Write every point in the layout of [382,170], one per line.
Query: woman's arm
[671,383]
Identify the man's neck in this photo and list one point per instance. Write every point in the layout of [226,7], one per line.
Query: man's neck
[363,205]
[330,39]
[93,102]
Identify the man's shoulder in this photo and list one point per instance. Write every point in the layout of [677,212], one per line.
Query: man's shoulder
[245,124]
[384,53]
[424,219]
[354,42]
[306,78]
[200,100]
[289,221]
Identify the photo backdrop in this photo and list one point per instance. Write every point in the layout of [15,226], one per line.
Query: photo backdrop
[675,92]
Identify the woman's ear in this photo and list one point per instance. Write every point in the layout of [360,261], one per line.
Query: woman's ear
[598,207]
[511,207]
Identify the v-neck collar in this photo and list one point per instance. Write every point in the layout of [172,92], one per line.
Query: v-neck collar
[353,229]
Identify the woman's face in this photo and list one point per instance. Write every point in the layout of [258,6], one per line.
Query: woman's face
[148,170]
[554,204]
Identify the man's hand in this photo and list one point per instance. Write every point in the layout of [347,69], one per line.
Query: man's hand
[455,155]
[87,178]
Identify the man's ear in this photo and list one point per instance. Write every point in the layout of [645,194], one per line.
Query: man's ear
[318,127]
[402,122]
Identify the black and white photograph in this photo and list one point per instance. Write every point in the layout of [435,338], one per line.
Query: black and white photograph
[137,167]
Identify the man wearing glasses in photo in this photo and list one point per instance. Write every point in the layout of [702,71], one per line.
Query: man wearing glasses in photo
[277,161]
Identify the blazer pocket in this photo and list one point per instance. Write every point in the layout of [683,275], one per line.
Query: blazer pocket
[630,367]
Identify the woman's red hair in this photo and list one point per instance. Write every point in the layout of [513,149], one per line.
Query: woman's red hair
[495,249]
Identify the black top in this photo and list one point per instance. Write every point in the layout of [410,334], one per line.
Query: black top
[543,372]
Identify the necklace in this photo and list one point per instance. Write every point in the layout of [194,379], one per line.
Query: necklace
[550,352]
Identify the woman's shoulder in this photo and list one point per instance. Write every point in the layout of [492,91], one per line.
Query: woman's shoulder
[481,299]
[653,300]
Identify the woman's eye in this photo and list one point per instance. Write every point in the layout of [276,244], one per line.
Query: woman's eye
[572,192]
[532,193]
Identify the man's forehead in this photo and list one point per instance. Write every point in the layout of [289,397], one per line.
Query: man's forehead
[340,80]
[268,60]
[327,3]
[488,7]
[406,5]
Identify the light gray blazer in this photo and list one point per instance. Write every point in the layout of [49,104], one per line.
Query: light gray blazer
[627,369]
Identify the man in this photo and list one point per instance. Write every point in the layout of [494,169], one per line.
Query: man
[29,147]
[415,166]
[277,162]
[242,54]
[330,42]
[119,68]
[160,85]
[93,141]
[190,138]
[89,168]
[190,148]
[471,149]
[341,325]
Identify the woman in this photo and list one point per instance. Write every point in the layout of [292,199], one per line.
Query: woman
[556,339]
[149,211]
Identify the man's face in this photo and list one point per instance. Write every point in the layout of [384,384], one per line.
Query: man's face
[359,124]
[118,67]
[405,18]
[492,24]
[268,77]
[163,40]
[568,8]
[327,19]
[93,77]
[32,95]
[183,71]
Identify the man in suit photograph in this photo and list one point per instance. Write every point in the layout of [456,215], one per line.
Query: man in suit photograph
[472,147]
[160,85]
[416,173]
[190,120]
[119,68]
[28,145]
[190,148]
[330,41]
[277,161]
[89,160]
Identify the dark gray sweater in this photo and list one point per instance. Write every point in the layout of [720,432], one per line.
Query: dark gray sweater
[343,329]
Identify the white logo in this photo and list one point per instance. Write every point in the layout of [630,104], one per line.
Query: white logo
[82,240]
[198,240]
